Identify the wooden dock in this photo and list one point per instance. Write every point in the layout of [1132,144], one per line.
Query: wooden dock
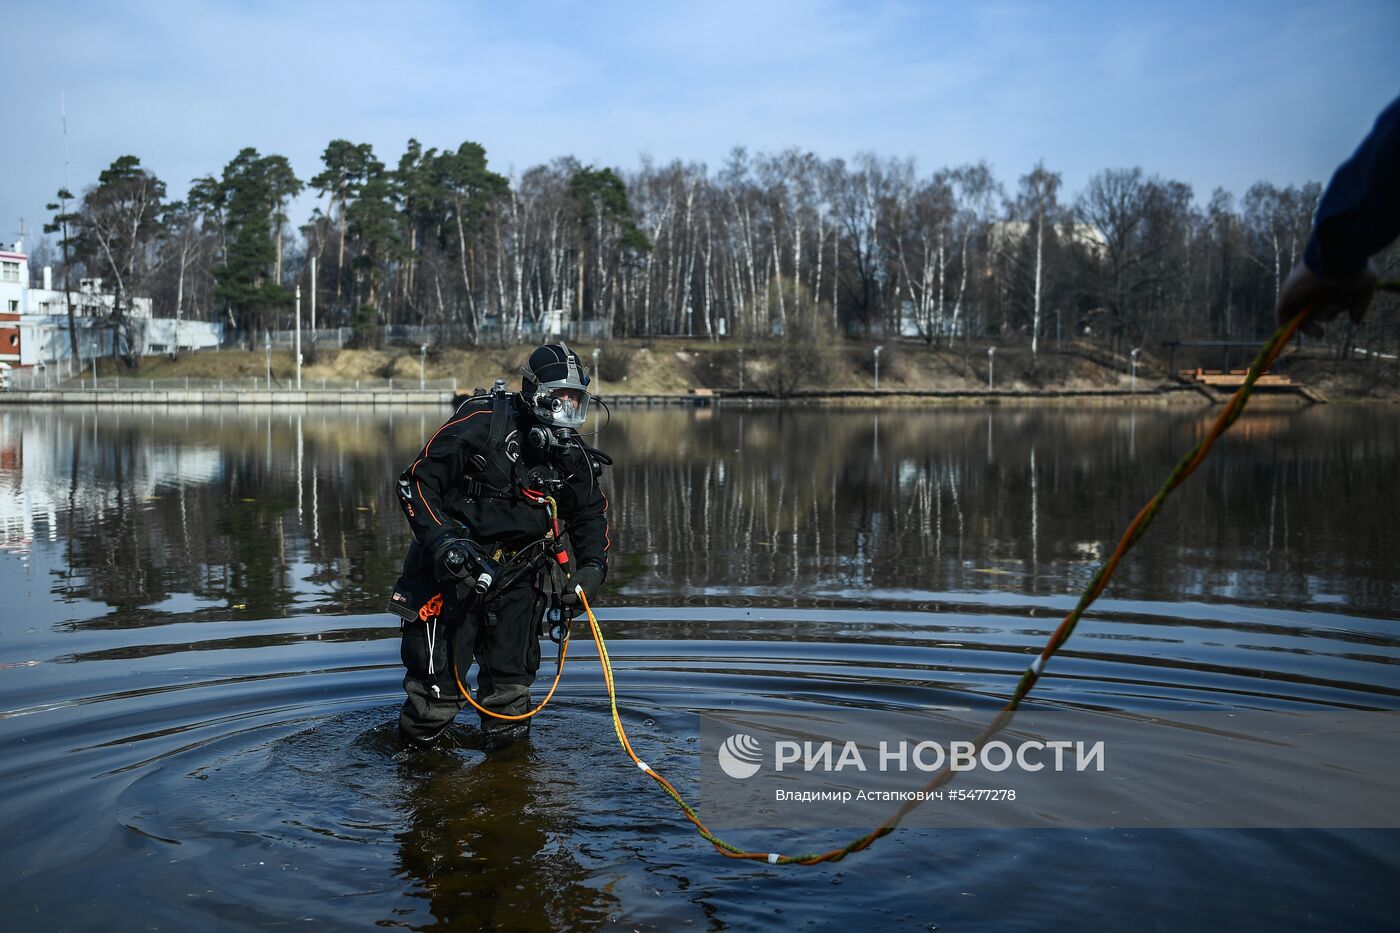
[1227,381]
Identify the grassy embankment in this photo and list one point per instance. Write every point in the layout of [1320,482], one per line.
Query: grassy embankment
[655,367]
[675,367]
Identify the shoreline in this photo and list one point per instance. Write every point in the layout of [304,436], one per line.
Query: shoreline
[676,372]
[1167,394]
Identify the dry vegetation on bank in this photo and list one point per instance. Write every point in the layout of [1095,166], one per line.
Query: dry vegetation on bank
[675,367]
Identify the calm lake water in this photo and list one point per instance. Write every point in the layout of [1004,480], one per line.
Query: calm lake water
[198,682]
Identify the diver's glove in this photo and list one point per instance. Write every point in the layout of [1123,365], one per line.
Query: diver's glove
[458,559]
[590,577]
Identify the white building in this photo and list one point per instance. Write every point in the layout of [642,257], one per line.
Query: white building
[18,296]
[1006,234]
[42,327]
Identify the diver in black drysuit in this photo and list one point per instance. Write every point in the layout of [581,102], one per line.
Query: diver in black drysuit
[478,576]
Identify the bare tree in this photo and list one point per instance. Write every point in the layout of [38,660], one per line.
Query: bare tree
[119,223]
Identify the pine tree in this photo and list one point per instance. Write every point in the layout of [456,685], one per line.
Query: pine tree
[467,189]
[63,222]
[247,278]
[348,166]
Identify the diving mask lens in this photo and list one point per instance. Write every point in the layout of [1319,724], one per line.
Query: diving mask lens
[566,405]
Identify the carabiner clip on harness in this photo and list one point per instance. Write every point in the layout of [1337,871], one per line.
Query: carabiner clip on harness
[554,537]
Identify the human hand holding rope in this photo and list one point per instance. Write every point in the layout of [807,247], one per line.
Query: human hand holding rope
[1328,297]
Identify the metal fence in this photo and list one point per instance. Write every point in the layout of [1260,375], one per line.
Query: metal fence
[338,338]
[417,335]
[32,380]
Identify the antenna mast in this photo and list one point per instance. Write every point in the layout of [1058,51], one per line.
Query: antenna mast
[63,114]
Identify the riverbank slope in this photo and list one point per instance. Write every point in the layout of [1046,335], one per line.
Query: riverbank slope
[679,367]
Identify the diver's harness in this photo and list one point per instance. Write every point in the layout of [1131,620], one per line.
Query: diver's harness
[538,486]
[500,571]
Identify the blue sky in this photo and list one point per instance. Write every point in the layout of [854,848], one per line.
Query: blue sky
[1209,93]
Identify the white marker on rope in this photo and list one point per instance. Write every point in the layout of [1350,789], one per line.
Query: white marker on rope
[773,858]
[644,766]
[1038,665]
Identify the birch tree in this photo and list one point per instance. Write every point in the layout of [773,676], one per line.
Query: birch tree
[1037,206]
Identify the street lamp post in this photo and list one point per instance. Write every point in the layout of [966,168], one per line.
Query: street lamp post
[991,354]
[298,348]
[877,368]
[267,347]
[1134,357]
[741,369]
[423,366]
[595,370]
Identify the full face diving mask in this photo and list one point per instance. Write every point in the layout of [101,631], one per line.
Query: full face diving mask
[561,402]
[561,405]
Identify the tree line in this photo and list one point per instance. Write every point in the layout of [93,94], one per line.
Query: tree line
[770,244]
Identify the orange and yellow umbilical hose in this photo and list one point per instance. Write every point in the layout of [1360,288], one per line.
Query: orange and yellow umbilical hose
[1266,357]
[1187,465]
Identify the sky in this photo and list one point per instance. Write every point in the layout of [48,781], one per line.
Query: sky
[1213,94]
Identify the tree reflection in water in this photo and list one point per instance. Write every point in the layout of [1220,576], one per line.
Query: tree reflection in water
[279,512]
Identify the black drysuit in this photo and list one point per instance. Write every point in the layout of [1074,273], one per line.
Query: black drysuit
[1359,213]
[466,483]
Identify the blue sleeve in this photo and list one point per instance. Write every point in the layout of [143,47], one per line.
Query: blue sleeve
[1359,213]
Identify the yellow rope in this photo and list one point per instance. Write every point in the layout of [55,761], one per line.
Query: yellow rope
[1265,358]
